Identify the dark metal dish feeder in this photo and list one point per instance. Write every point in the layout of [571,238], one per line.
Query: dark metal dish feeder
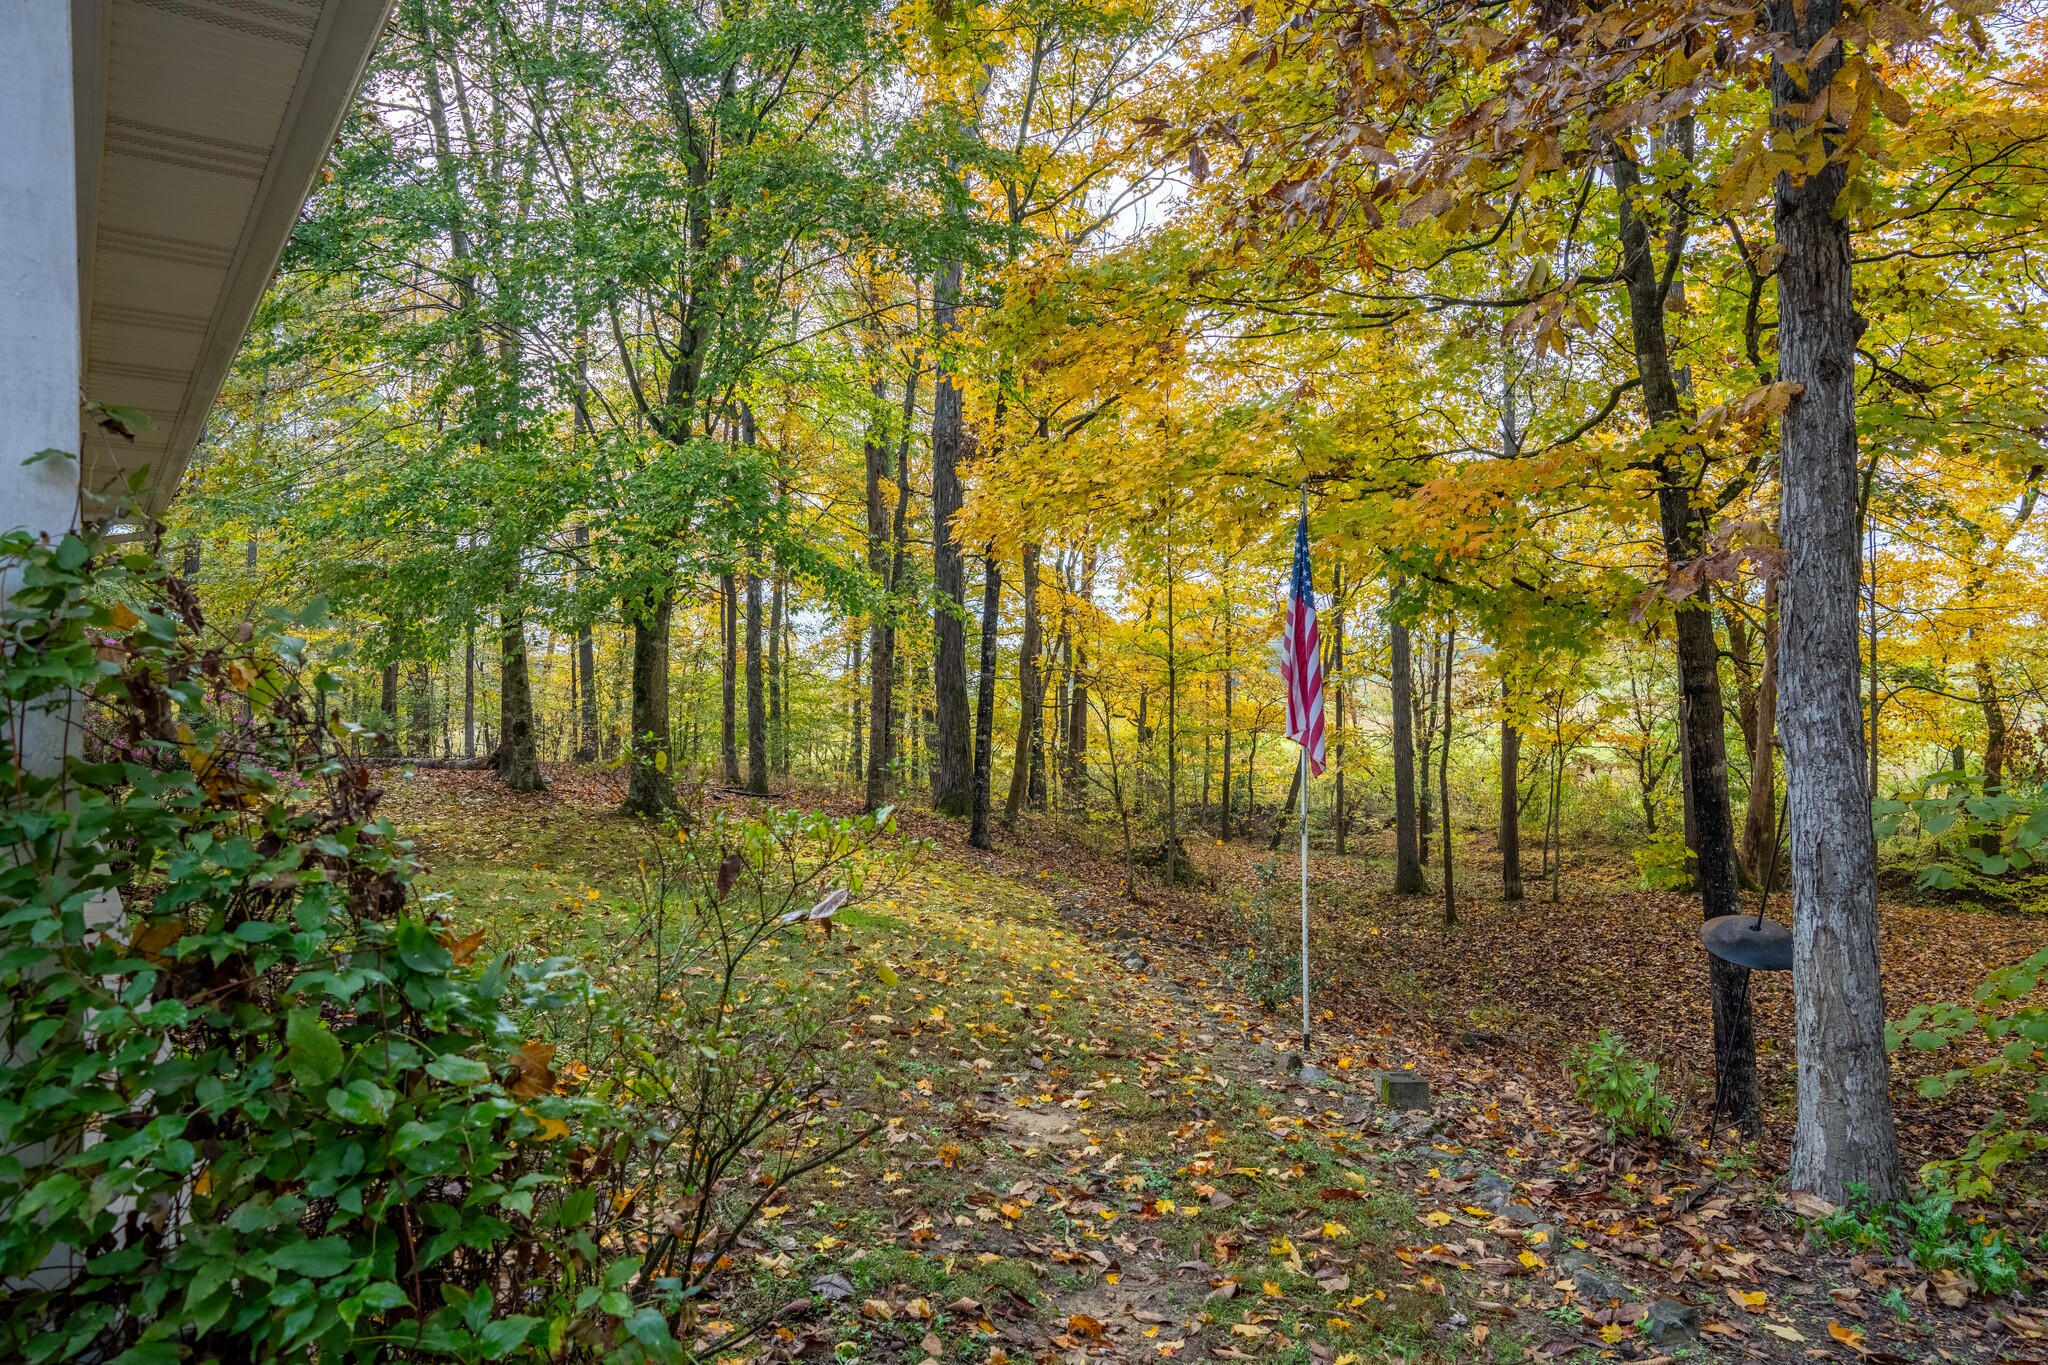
[1762,945]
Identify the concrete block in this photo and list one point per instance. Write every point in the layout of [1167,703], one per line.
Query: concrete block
[1403,1090]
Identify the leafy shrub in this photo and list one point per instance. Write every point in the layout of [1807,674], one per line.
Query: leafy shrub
[1268,969]
[1660,861]
[1986,843]
[1620,1088]
[2003,1013]
[1931,1232]
[277,1108]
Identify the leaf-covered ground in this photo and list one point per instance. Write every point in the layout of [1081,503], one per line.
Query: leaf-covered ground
[1095,1149]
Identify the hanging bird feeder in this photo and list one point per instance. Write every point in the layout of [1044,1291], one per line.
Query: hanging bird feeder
[1762,945]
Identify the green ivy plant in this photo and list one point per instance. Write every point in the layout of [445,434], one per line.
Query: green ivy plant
[274,1108]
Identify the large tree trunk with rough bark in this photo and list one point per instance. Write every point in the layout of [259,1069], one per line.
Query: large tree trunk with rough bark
[1407,835]
[1845,1135]
[952,778]
[650,787]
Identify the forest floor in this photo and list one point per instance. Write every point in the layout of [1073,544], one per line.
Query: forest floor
[1096,1149]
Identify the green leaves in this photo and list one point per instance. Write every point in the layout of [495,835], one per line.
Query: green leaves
[317,1260]
[1981,837]
[500,1338]
[458,1070]
[420,950]
[311,1053]
[362,1102]
[270,882]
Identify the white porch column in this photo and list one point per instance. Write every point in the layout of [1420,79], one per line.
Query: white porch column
[39,336]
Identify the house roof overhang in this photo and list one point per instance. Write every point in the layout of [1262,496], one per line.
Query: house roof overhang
[202,125]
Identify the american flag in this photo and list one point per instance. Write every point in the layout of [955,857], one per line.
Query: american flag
[1301,657]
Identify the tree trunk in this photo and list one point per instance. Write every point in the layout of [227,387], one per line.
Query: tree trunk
[728,733]
[650,786]
[586,663]
[387,702]
[1292,805]
[1845,1135]
[1992,707]
[1425,725]
[1510,806]
[1444,776]
[469,690]
[1407,842]
[857,731]
[1699,657]
[1335,680]
[1229,711]
[518,755]
[985,708]
[952,778]
[757,709]
[1759,816]
[881,633]
[775,716]
[1077,713]
[1173,850]
[1063,651]
[1030,694]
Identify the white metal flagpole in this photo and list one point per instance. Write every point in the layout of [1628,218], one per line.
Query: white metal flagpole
[1304,905]
[1304,844]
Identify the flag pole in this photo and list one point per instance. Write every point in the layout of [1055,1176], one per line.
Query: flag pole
[1304,850]
[1304,905]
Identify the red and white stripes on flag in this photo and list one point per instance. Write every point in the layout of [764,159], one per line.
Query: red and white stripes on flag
[1301,657]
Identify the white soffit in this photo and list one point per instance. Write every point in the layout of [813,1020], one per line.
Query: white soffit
[202,124]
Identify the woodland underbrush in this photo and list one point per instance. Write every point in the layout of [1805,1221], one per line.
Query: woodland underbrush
[263,1098]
